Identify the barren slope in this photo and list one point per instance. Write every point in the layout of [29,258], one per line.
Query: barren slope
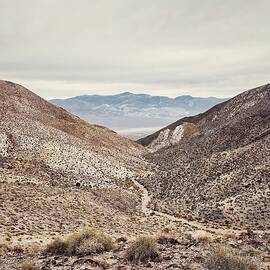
[218,166]
[38,134]
[57,172]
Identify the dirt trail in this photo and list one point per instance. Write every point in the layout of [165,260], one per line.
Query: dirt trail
[146,198]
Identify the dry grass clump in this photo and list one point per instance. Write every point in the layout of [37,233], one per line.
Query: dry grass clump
[251,251]
[33,249]
[166,237]
[29,265]
[230,235]
[84,242]
[57,246]
[202,236]
[16,248]
[223,258]
[8,247]
[3,248]
[142,250]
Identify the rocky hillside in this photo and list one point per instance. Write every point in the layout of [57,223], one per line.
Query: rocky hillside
[40,142]
[58,173]
[71,193]
[173,133]
[215,166]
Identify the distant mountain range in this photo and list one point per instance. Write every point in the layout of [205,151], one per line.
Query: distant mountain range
[129,113]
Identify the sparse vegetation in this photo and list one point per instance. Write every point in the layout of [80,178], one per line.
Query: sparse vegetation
[16,248]
[223,258]
[3,248]
[11,247]
[57,246]
[202,236]
[84,242]
[142,250]
[33,249]
[166,237]
[29,265]
[230,235]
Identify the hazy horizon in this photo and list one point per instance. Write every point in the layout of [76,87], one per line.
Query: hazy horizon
[133,93]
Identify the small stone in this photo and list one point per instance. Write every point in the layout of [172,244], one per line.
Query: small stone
[157,259]
[167,258]
[121,240]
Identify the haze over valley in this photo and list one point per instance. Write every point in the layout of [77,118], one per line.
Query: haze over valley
[134,115]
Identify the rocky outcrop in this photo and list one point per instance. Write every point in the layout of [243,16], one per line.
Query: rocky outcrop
[168,137]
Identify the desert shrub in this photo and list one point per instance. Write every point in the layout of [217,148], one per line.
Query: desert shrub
[16,248]
[90,246]
[202,236]
[223,258]
[230,234]
[142,250]
[57,246]
[251,251]
[8,247]
[166,237]
[86,241]
[29,265]
[33,249]
[3,248]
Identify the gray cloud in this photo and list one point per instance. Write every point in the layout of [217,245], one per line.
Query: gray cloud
[62,48]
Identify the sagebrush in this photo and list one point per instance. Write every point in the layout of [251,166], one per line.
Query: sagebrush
[224,258]
[84,242]
[142,250]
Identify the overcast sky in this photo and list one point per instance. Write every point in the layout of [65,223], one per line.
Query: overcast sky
[62,48]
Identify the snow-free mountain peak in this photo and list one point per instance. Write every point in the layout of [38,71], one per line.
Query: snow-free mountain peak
[126,112]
